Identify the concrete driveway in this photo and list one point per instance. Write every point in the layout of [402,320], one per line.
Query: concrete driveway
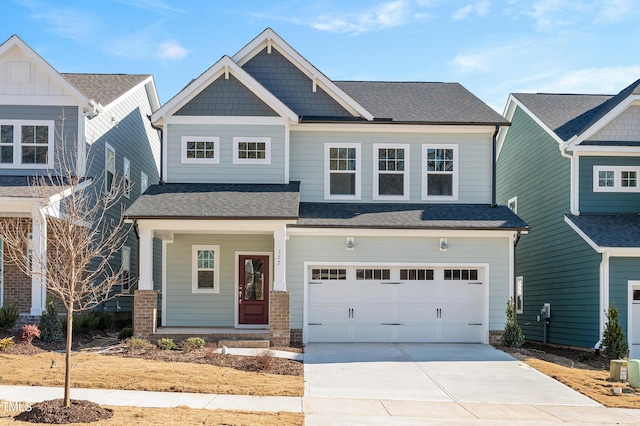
[366,383]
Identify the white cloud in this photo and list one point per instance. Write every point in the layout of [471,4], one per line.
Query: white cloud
[172,50]
[152,5]
[616,10]
[67,22]
[480,8]
[385,15]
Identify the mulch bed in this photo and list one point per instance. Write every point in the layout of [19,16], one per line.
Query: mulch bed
[562,355]
[54,412]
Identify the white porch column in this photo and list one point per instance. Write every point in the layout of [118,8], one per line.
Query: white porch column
[145,280]
[279,260]
[38,261]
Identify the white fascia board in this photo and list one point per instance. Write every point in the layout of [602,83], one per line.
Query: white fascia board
[375,232]
[37,59]
[392,127]
[216,120]
[509,111]
[269,38]
[10,206]
[217,70]
[128,93]
[622,251]
[192,225]
[44,100]
[69,190]
[584,236]
[606,119]
[606,151]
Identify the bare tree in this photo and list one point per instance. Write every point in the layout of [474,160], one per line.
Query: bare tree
[81,241]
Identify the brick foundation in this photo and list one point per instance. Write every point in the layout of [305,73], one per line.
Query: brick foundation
[16,284]
[495,336]
[296,337]
[145,309]
[279,332]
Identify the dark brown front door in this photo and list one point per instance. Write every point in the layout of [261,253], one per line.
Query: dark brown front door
[253,290]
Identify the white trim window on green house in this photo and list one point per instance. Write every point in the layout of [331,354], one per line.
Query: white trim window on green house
[296,208]
[94,124]
[574,161]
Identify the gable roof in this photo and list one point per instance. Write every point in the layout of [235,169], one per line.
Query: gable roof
[105,88]
[221,68]
[422,102]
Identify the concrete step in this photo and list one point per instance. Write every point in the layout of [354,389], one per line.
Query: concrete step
[244,343]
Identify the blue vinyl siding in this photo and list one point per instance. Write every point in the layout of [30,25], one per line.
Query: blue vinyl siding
[606,202]
[621,271]
[557,265]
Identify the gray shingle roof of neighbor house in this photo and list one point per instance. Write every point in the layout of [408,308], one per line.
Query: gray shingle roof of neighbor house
[569,115]
[421,102]
[609,230]
[409,216]
[26,186]
[105,88]
[217,201]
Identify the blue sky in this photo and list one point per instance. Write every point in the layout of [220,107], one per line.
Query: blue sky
[492,47]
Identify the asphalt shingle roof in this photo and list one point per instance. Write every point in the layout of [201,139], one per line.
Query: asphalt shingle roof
[105,88]
[421,102]
[218,201]
[25,186]
[608,230]
[409,216]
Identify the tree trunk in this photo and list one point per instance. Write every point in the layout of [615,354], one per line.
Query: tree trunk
[67,359]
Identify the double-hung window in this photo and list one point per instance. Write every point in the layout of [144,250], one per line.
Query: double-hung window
[144,182]
[251,150]
[25,144]
[127,177]
[206,269]
[109,167]
[440,172]
[342,171]
[200,149]
[391,172]
[616,178]
[125,259]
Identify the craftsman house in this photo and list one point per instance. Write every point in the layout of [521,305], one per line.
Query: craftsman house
[298,208]
[569,165]
[99,122]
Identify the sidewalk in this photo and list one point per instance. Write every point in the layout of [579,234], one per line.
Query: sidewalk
[330,411]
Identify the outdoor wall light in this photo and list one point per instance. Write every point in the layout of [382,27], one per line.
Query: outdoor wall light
[351,243]
[444,245]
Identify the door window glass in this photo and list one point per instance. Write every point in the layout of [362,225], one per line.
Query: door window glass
[253,279]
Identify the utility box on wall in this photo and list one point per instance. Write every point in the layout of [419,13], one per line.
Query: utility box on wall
[618,370]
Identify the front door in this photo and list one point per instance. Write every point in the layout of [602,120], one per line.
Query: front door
[253,289]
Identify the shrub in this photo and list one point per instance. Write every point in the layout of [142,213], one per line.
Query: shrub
[50,324]
[125,333]
[29,332]
[512,335]
[166,344]
[99,320]
[193,343]
[8,316]
[6,343]
[135,343]
[265,361]
[613,338]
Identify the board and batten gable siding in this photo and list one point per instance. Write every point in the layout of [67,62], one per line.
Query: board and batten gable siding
[225,171]
[474,157]
[292,86]
[557,265]
[621,271]
[185,308]
[226,97]
[402,250]
[606,202]
[65,133]
[625,127]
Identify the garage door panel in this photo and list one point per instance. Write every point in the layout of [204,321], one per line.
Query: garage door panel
[417,293]
[323,293]
[328,333]
[461,333]
[372,333]
[461,313]
[461,293]
[417,333]
[373,313]
[320,313]
[420,313]
[373,293]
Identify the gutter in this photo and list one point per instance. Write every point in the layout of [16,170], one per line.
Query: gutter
[153,126]
[494,166]
[563,153]
[604,294]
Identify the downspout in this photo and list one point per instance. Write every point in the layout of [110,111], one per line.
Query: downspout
[494,166]
[153,126]
[604,293]
[563,152]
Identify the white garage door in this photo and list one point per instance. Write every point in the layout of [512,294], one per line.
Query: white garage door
[395,304]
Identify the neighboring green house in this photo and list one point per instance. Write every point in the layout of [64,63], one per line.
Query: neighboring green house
[298,208]
[569,166]
[100,122]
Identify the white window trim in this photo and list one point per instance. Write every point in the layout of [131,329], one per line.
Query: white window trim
[216,150]
[216,269]
[144,182]
[107,148]
[519,285]
[513,200]
[126,250]
[327,171]
[17,144]
[456,168]
[126,171]
[617,178]
[267,147]
[376,172]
